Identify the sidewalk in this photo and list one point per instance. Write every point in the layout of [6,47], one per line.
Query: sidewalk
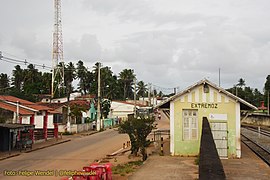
[167,167]
[249,167]
[44,144]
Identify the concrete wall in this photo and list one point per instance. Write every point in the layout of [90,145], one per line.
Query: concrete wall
[76,128]
[257,119]
[26,120]
[50,122]
[39,121]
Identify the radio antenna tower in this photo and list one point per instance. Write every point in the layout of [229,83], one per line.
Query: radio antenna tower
[57,60]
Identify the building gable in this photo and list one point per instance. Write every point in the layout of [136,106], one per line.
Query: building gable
[196,93]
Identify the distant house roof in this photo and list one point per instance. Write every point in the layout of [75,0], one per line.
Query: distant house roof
[13,108]
[39,107]
[132,103]
[165,103]
[85,96]
[15,100]
[54,106]
[25,107]
[79,102]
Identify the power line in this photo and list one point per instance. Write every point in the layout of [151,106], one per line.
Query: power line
[165,88]
[22,62]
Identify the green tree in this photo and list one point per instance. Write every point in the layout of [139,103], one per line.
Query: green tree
[46,83]
[82,74]
[113,91]
[4,83]
[105,108]
[138,129]
[141,89]
[266,88]
[76,112]
[160,94]
[241,83]
[127,76]
[70,75]
[32,83]
[18,77]
[258,97]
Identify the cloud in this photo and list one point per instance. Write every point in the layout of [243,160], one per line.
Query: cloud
[169,43]
[28,42]
[87,49]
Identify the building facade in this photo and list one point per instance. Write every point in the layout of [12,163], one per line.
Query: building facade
[205,99]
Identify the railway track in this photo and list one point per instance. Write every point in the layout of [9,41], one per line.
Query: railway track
[257,130]
[262,152]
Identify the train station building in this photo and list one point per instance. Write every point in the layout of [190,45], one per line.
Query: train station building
[221,108]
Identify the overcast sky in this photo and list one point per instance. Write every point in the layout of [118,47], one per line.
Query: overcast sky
[169,43]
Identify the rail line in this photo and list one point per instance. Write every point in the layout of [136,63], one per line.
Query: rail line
[263,153]
[255,129]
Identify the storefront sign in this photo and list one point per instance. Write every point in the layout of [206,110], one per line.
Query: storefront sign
[204,105]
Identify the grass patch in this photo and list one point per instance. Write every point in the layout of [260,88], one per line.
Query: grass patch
[67,133]
[126,168]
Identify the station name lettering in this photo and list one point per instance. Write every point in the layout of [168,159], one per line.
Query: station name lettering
[204,105]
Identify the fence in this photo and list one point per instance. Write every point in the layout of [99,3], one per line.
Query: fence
[76,128]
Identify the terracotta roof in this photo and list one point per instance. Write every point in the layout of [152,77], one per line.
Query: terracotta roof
[38,107]
[15,100]
[54,112]
[86,96]
[79,102]
[13,108]
[11,101]
[52,105]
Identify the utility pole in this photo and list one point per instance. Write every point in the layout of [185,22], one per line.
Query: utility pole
[98,105]
[149,93]
[17,112]
[219,77]
[135,115]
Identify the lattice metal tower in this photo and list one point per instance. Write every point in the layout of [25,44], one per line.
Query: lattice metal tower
[58,60]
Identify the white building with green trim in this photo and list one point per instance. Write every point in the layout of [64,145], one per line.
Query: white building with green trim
[205,99]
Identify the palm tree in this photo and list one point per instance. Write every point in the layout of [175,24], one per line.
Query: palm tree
[113,89]
[127,76]
[107,80]
[141,89]
[31,74]
[70,75]
[17,79]
[81,74]
[241,82]
[46,81]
